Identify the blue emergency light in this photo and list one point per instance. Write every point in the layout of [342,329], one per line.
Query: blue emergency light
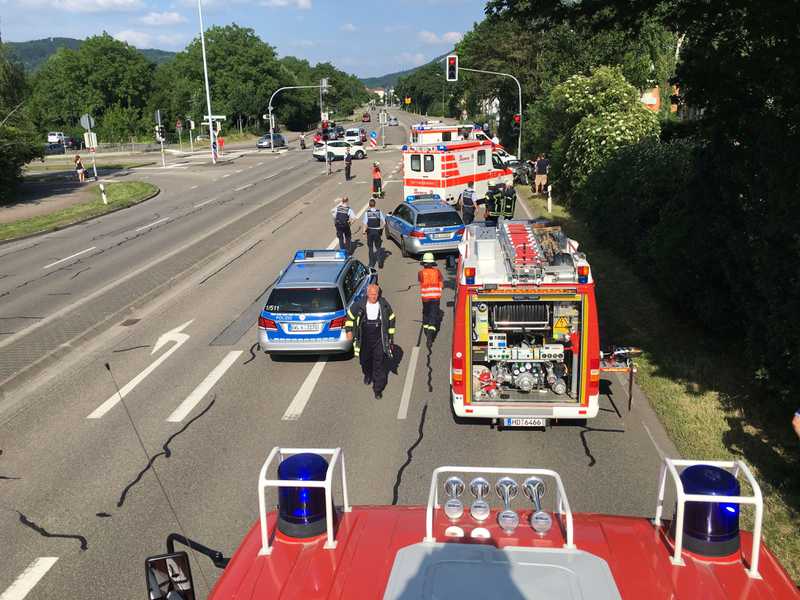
[301,510]
[710,528]
[404,147]
[441,147]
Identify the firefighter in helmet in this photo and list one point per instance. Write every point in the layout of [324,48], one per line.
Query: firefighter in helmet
[430,291]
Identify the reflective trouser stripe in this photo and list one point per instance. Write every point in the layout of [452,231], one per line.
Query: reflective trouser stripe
[390,331]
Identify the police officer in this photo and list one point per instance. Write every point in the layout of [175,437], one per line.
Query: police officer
[343,215]
[468,203]
[348,163]
[374,222]
[370,325]
[430,291]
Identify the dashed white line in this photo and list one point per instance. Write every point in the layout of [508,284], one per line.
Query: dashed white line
[239,171]
[304,393]
[201,390]
[194,187]
[242,187]
[227,175]
[53,264]
[28,579]
[402,411]
[261,164]
[151,224]
[205,202]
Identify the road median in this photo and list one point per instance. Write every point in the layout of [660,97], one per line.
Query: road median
[120,195]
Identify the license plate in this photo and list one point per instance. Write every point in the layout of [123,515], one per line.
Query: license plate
[304,327]
[441,236]
[524,422]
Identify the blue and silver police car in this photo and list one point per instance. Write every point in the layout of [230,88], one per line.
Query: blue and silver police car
[425,223]
[307,307]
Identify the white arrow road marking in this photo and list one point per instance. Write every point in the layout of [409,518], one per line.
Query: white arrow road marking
[174,335]
[201,390]
[304,393]
[402,411]
[53,264]
[29,578]
[151,224]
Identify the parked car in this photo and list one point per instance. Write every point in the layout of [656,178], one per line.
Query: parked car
[264,141]
[339,131]
[393,122]
[337,150]
[54,149]
[307,308]
[366,118]
[425,223]
[353,135]
[55,137]
[72,144]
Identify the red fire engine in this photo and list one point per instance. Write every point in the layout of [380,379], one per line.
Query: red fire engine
[487,532]
[446,168]
[525,337]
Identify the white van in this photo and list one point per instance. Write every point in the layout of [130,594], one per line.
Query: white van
[55,137]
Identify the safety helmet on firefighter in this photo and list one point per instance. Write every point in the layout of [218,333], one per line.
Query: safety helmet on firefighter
[427,259]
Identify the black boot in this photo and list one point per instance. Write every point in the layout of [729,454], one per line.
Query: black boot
[367,380]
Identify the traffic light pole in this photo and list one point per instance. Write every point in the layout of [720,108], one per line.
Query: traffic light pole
[212,134]
[519,89]
[269,108]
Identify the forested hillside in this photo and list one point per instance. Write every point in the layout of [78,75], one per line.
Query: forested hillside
[33,53]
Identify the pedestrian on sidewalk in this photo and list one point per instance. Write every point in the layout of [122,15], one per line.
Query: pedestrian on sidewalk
[377,180]
[370,325]
[431,283]
[343,216]
[374,222]
[79,170]
[542,170]
[302,141]
[348,163]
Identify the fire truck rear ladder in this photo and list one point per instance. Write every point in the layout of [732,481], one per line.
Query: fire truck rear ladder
[523,253]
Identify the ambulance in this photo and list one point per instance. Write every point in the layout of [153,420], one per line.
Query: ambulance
[435,131]
[525,334]
[445,169]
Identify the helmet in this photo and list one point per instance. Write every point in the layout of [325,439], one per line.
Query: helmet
[375,164]
[427,258]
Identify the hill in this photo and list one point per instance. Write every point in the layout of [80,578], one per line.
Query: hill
[390,79]
[33,53]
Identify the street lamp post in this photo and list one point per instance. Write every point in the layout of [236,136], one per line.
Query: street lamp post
[519,89]
[269,108]
[212,135]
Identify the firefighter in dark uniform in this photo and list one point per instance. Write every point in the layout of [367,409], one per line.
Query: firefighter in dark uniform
[370,326]
[468,204]
[494,204]
[374,222]
[509,203]
[431,283]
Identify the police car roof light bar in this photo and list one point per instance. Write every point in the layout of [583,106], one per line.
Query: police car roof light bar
[561,504]
[736,467]
[319,255]
[336,455]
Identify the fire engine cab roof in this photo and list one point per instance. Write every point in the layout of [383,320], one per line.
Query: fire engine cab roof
[380,554]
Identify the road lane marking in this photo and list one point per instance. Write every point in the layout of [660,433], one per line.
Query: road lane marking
[243,187]
[174,335]
[261,164]
[402,411]
[205,202]
[227,175]
[179,414]
[194,187]
[239,171]
[69,257]
[652,439]
[151,224]
[28,579]
[304,393]
[526,209]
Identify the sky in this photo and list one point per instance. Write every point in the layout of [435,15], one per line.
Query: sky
[367,38]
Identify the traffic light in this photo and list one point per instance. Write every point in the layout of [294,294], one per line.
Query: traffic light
[161,133]
[516,122]
[452,67]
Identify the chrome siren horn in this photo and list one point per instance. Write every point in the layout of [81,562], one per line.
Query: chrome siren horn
[534,489]
[453,507]
[507,489]
[479,488]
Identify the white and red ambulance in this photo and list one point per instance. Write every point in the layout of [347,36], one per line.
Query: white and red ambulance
[445,168]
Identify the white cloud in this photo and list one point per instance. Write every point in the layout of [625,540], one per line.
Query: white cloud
[429,37]
[412,58]
[156,19]
[171,40]
[139,39]
[83,6]
[301,4]
[349,27]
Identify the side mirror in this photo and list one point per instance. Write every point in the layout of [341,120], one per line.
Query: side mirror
[169,577]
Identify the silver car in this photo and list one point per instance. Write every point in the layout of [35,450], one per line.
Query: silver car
[307,307]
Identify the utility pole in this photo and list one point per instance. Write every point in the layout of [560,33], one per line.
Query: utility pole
[212,135]
[290,87]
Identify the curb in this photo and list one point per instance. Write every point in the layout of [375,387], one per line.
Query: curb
[39,233]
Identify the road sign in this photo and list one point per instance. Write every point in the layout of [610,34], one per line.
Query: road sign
[373,142]
[158,116]
[373,135]
[382,118]
[191,124]
[407,100]
[87,122]
[214,117]
[178,124]
[90,140]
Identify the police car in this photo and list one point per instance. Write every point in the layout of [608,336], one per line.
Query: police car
[425,223]
[307,308]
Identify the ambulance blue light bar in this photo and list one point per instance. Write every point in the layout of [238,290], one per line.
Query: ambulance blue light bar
[319,255]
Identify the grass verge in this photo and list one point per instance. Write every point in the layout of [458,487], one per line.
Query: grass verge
[120,195]
[698,386]
[68,166]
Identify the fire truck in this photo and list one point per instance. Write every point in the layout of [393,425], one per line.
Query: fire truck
[525,336]
[445,168]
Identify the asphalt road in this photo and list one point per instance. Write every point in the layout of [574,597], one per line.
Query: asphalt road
[81,504]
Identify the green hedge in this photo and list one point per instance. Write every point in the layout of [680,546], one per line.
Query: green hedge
[16,149]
